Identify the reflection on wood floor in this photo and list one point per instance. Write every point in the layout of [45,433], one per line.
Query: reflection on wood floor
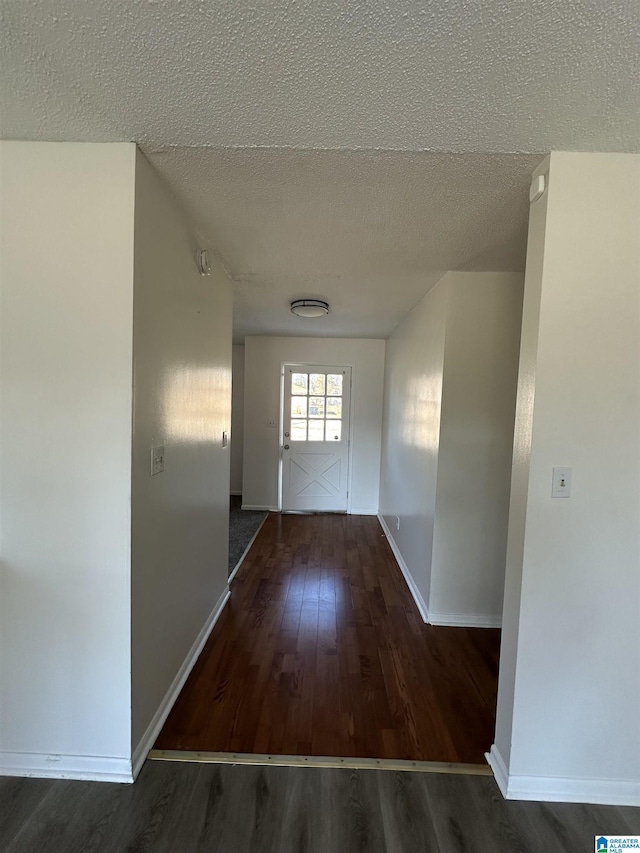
[321,651]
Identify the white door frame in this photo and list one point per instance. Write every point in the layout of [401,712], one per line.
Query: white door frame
[317,363]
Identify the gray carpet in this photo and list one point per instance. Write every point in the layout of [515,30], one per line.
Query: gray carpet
[243,523]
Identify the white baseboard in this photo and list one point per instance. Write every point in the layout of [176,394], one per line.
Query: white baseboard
[246,551]
[466,620]
[85,768]
[264,508]
[413,589]
[359,510]
[99,768]
[496,763]
[557,789]
[160,716]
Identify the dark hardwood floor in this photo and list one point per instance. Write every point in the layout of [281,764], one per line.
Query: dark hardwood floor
[205,808]
[321,651]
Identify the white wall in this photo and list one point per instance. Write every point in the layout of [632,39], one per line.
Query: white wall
[411,434]
[520,469]
[110,578]
[263,359]
[482,342]
[182,387]
[450,391]
[237,419]
[569,699]
[66,279]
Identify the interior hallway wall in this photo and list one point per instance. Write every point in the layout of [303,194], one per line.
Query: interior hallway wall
[109,577]
[264,357]
[450,391]
[237,419]
[569,692]
[482,343]
[66,280]
[182,400]
[411,436]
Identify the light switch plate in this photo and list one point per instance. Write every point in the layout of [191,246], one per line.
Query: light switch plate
[561,483]
[157,460]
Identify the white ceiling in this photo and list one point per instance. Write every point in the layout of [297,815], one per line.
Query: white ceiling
[313,141]
[370,231]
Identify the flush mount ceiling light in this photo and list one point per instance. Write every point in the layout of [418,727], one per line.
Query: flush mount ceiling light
[309,307]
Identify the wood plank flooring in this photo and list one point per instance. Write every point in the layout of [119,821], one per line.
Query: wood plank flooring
[204,808]
[321,651]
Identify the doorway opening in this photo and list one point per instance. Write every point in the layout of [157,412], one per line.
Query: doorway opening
[321,650]
[243,527]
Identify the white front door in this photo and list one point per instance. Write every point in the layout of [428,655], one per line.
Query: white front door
[315,446]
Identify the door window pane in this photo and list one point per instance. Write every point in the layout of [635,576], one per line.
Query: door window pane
[298,430]
[334,430]
[299,383]
[316,430]
[316,407]
[334,384]
[334,407]
[298,407]
[316,383]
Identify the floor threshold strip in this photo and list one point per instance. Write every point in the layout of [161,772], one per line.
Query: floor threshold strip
[320,761]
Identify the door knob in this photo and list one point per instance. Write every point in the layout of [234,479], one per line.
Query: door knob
[286,447]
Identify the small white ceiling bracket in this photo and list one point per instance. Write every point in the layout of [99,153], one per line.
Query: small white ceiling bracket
[538,185]
[204,267]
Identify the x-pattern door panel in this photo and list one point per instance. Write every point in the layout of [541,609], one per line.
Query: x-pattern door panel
[315,451]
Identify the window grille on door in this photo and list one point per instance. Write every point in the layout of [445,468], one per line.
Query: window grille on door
[316,406]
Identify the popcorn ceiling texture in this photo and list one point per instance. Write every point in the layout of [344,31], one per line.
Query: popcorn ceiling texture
[460,76]
[379,143]
[370,231]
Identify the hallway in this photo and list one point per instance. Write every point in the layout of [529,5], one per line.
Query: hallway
[321,651]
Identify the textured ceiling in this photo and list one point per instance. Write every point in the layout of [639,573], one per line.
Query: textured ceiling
[442,75]
[340,112]
[370,231]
